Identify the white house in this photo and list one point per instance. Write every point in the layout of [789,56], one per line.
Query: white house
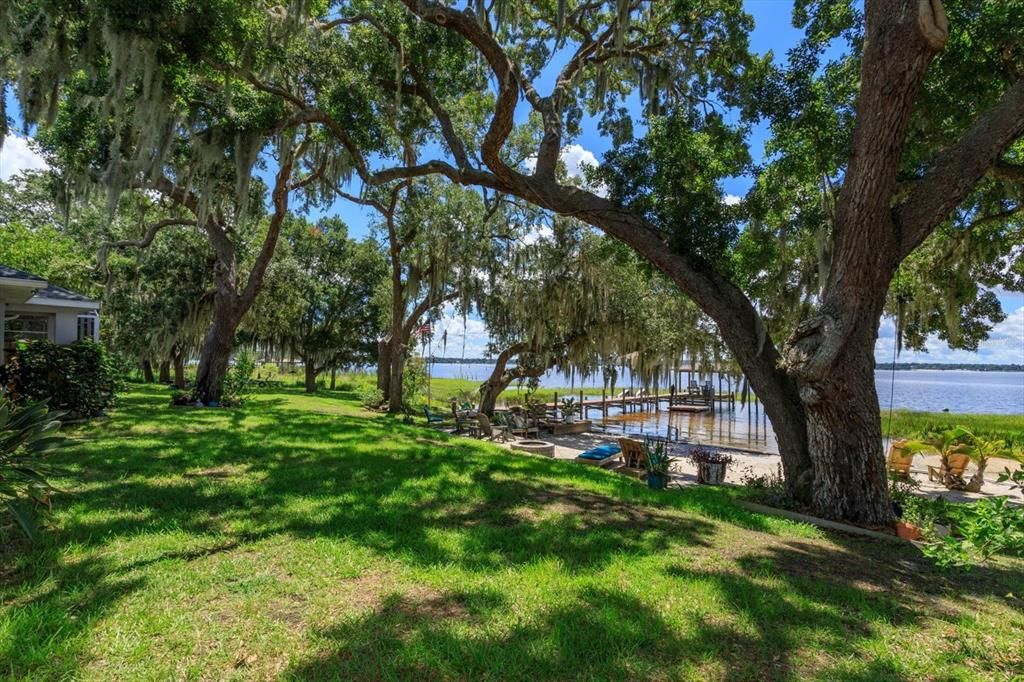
[32,308]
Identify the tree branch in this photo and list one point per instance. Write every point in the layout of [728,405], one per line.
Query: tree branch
[504,70]
[1008,171]
[151,233]
[956,171]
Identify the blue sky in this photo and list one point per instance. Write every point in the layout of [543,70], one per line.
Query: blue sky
[773,32]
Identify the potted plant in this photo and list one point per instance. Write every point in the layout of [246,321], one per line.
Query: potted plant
[658,463]
[711,464]
[569,409]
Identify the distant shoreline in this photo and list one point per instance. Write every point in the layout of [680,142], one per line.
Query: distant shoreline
[878,366]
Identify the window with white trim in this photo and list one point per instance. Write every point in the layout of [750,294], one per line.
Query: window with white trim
[23,327]
[87,327]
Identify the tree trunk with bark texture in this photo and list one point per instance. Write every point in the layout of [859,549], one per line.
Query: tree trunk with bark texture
[845,441]
[499,379]
[384,352]
[311,375]
[179,369]
[147,372]
[217,346]
[334,377]
[165,372]
[395,395]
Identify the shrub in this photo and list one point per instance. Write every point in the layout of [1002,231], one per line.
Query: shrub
[414,380]
[80,379]
[372,398]
[981,530]
[26,435]
[238,383]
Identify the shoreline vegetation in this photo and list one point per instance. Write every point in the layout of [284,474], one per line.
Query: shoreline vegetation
[886,366]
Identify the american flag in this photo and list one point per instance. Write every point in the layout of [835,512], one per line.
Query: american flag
[424,330]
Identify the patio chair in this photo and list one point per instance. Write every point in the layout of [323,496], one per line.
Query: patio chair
[899,460]
[518,425]
[434,419]
[489,431]
[634,455]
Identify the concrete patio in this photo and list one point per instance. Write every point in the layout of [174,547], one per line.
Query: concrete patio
[747,463]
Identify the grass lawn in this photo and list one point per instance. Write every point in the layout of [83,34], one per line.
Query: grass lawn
[301,538]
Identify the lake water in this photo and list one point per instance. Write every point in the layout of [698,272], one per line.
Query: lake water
[746,427]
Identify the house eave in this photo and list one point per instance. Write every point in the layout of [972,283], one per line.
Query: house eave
[62,303]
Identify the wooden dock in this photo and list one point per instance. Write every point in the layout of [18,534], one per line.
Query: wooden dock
[691,400]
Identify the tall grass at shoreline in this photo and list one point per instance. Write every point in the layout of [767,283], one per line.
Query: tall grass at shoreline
[912,424]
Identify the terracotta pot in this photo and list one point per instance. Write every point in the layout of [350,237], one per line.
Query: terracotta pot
[908,531]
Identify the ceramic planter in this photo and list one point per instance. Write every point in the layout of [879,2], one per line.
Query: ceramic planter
[657,482]
[710,474]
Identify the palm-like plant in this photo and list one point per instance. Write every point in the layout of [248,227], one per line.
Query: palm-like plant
[26,436]
[955,441]
[983,450]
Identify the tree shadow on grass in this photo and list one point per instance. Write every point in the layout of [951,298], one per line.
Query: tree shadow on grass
[823,622]
[432,501]
[818,606]
[597,634]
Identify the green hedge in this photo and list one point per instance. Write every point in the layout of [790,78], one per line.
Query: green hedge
[81,378]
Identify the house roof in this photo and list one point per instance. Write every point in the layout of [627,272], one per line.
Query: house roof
[7,272]
[61,294]
[46,292]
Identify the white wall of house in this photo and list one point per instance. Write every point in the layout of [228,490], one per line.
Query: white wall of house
[63,321]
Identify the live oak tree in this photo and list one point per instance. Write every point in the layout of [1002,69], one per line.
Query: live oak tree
[133,99]
[543,304]
[319,301]
[437,238]
[903,173]
[571,299]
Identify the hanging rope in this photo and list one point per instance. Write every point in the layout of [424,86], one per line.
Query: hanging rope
[892,370]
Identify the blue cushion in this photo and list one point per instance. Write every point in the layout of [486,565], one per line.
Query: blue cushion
[601,451]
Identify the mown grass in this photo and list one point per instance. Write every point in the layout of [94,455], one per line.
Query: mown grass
[300,538]
[1007,427]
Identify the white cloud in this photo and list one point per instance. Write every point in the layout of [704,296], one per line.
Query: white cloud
[731,200]
[17,155]
[466,337]
[1005,345]
[576,159]
[537,233]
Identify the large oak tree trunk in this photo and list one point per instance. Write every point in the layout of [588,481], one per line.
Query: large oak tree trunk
[179,369]
[395,395]
[147,372]
[490,390]
[845,441]
[311,375]
[384,365]
[499,379]
[165,372]
[217,346]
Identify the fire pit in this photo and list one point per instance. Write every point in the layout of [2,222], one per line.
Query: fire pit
[536,447]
